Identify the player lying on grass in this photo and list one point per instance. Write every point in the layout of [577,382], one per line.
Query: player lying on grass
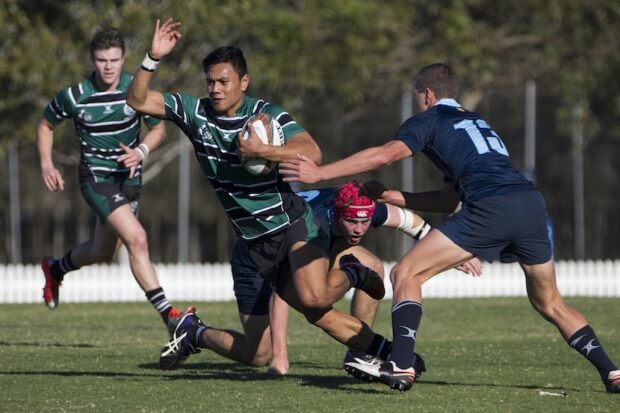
[347,214]
[501,212]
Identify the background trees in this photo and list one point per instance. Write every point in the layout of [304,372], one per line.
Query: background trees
[340,68]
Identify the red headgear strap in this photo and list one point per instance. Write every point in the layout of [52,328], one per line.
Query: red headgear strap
[349,203]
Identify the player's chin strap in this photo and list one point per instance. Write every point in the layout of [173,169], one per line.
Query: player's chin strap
[407,221]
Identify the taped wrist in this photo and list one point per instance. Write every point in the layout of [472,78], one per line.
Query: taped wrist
[407,220]
[149,63]
[144,150]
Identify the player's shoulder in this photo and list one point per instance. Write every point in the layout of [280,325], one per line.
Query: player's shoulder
[125,81]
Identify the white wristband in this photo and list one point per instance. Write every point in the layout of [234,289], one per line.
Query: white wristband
[144,150]
[149,64]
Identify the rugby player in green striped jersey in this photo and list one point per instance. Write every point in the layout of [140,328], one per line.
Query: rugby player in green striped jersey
[110,170]
[275,227]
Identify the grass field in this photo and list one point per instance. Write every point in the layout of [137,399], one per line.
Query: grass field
[481,354]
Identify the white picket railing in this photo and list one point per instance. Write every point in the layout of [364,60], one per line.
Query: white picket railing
[213,282]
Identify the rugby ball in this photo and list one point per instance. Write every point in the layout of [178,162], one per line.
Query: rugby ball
[269,132]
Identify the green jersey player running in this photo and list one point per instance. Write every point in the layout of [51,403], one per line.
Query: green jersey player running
[110,171]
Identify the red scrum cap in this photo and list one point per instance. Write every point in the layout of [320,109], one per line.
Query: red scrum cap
[349,203]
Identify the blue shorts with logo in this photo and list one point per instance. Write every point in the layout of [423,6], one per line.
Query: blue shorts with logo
[509,225]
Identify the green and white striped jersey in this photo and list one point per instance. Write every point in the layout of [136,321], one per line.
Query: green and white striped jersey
[256,204]
[102,120]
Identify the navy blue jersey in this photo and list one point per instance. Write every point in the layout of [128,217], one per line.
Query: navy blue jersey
[465,148]
[321,202]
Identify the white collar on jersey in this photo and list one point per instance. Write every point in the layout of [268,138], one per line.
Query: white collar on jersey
[448,102]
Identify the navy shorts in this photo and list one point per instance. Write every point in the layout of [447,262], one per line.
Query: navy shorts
[256,264]
[513,224]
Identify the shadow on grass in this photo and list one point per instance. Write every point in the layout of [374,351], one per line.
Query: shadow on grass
[35,344]
[237,372]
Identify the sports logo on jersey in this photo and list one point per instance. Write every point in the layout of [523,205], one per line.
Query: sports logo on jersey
[128,111]
[85,116]
[118,197]
[108,109]
[205,133]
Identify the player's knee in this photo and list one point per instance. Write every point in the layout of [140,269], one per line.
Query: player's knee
[138,242]
[376,265]
[312,301]
[260,358]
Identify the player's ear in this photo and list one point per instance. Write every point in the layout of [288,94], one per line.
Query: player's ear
[429,97]
[245,82]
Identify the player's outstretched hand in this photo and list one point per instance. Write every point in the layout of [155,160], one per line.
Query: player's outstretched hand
[165,37]
[300,169]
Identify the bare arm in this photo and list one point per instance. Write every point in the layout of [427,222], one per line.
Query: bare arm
[45,139]
[139,96]
[302,169]
[301,143]
[132,157]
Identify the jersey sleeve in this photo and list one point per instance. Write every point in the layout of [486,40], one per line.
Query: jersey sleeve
[179,106]
[380,215]
[151,121]
[60,108]
[415,132]
[289,126]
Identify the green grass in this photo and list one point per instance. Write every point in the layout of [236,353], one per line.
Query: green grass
[481,354]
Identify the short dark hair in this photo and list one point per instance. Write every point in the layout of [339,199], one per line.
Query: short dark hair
[227,54]
[439,78]
[106,38]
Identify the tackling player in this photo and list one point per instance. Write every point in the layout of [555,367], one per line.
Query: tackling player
[501,212]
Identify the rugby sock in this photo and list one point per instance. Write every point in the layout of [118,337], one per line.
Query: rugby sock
[586,343]
[406,317]
[62,266]
[198,337]
[352,275]
[158,299]
[380,347]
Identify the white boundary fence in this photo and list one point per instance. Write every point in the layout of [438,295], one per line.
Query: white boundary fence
[213,282]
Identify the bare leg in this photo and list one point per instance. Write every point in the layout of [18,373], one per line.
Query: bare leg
[101,248]
[252,347]
[278,319]
[543,293]
[134,237]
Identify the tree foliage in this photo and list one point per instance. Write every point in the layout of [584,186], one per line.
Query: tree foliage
[330,63]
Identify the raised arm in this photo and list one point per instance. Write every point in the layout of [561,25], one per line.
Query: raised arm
[139,96]
[302,169]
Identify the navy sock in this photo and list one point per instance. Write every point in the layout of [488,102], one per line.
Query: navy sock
[198,339]
[406,317]
[62,266]
[158,299]
[380,347]
[586,343]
